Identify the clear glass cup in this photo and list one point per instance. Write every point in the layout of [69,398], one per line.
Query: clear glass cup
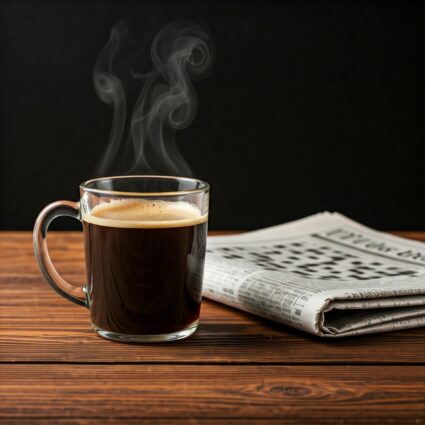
[145,241]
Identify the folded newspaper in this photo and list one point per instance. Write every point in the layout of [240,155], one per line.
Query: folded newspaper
[324,274]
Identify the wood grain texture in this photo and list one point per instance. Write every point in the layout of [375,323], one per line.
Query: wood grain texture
[208,421]
[236,369]
[36,324]
[157,391]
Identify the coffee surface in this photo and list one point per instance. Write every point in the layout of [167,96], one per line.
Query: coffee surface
[145,214]
[145,263]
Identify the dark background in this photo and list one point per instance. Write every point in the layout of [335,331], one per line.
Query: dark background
[311,106]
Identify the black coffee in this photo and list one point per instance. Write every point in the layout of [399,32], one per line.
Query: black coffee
[144,266]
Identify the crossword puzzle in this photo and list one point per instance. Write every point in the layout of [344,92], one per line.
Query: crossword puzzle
[313,260]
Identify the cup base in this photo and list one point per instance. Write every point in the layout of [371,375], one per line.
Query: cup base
[173,336]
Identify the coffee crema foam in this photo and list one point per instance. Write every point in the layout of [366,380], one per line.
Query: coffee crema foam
[153,214]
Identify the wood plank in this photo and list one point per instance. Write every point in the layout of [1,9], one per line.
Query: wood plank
[39,326]
[66,248]
[410,234]
[204,391]
[205,421]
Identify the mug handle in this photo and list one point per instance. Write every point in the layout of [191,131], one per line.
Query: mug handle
[56,209]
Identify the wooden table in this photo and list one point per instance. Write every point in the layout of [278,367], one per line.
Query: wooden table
[236,368]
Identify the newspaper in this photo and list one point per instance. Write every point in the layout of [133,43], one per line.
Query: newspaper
[324,274]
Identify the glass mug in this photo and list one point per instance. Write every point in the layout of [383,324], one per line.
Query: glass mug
[145,241]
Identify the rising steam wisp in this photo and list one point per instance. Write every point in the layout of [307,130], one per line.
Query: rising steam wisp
[181,51]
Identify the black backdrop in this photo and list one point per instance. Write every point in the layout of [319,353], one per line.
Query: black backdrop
[311,105]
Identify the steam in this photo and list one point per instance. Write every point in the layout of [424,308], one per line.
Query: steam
[167,102]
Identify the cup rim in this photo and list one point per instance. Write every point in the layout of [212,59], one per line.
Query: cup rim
[205,187]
